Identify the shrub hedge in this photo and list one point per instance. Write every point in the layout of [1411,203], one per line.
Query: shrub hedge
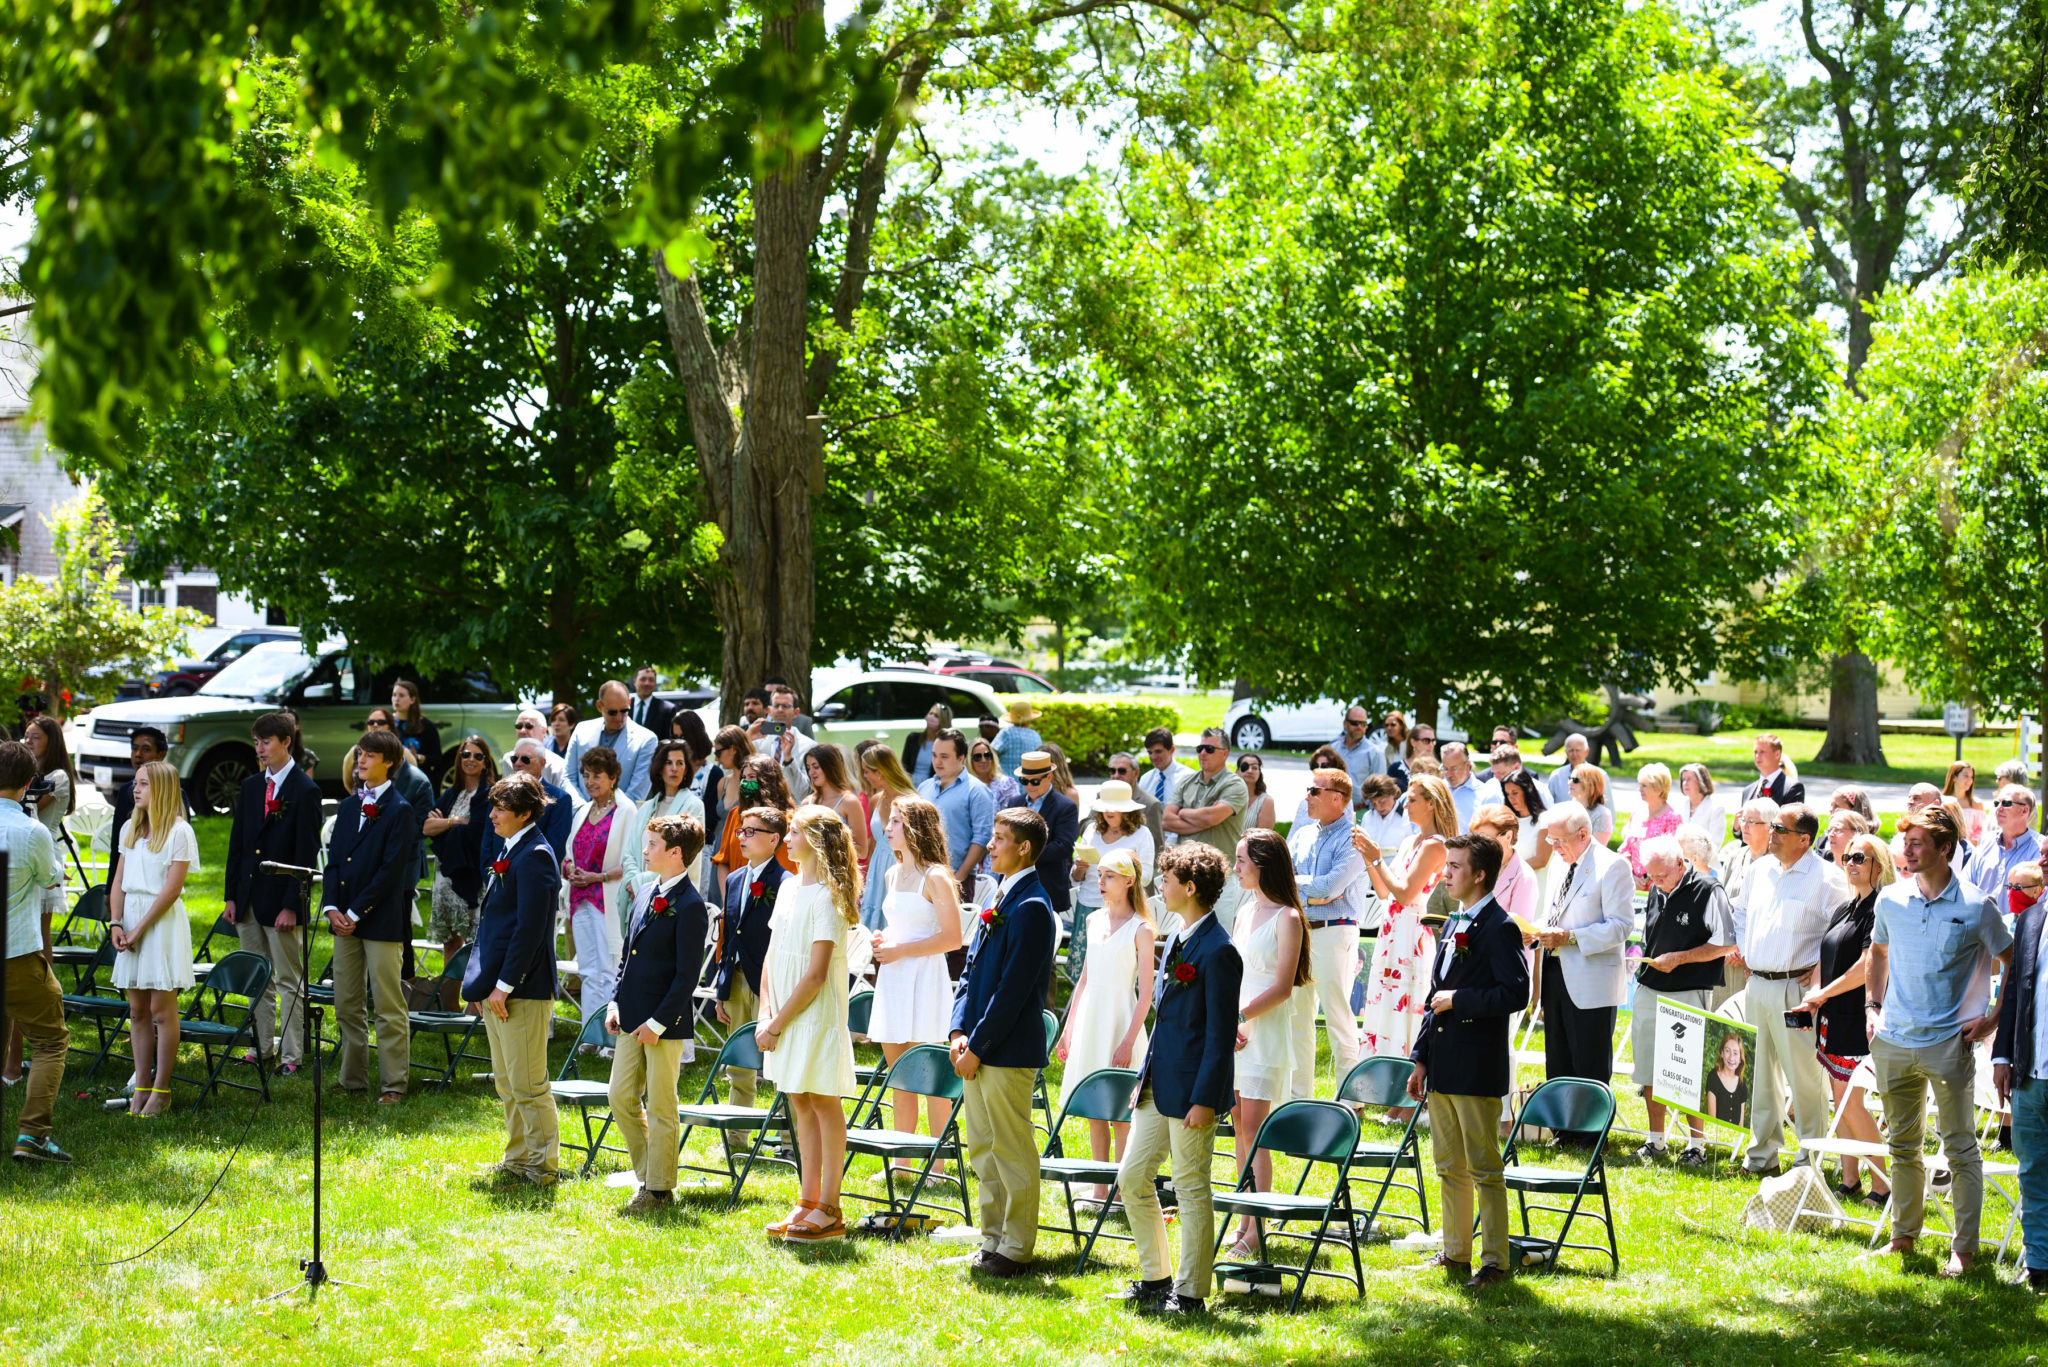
[1091,729]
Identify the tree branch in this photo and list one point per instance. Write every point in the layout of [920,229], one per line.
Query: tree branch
[712,383]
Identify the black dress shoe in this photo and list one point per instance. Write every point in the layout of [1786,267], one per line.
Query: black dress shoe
[1001,1265]
[2038,1281]
[1144,1291]
[1175,1304]
[1487,1275]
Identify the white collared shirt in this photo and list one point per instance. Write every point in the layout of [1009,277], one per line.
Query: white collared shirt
[1180,937]
[277,779]
[1786,911]
[370,798]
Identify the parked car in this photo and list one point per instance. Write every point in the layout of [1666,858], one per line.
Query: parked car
[331,692]
[1001,678]
[890,704]
[1253,723]
[186,677]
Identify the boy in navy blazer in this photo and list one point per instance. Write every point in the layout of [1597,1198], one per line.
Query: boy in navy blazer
[1187,1078]
[368,898]
[511,978]
[277,820]
[652,1011]
[1462,1064]
[999,1045]
[750,893]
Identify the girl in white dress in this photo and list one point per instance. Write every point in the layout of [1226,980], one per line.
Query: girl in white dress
[1398,992]
[1106,1021]
[881,773]
[921,909]
[150,929]
[807,1051]
[1117,826]
[1273,942]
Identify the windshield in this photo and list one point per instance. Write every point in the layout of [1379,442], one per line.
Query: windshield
[262,674]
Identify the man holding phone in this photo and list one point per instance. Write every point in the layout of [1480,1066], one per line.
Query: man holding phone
[778,735]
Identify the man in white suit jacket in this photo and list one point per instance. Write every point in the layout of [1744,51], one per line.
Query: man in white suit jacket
[1584,933]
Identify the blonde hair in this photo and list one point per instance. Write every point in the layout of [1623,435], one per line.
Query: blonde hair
[924,832]
[1882,872]
[164,808]
[1125,863]
[1655,777]
[888,771]
[1443,810]
[1596,784]
[830,840]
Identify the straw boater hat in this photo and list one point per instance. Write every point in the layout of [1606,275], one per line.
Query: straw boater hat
[1037,764]
[1021,710]
[1115,796]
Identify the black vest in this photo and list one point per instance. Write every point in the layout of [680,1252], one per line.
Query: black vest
[1677,922]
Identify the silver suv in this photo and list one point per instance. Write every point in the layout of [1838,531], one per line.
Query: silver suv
[330,692]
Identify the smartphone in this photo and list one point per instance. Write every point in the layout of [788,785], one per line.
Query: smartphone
[774,728]
[1799,1020]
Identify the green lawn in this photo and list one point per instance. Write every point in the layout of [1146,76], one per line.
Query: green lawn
[455,1274]
[1910,758]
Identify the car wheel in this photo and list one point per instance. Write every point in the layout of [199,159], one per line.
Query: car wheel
[1250,733]
[219,780]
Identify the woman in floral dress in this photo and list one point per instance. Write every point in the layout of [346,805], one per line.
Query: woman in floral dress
[1397,993]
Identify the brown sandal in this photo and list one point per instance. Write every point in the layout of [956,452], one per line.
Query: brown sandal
[817,1234]
[782,1227]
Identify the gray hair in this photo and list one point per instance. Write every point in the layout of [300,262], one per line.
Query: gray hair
[1697,844]
[2012,771]
[1458,746]
[1661,849]
[2018,790]
[1761,806]
[1124,754]
[1568,818]
[1575,738]
[533,712]
[1217,733]
[524,742]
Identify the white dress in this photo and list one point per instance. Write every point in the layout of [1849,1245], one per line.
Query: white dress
[1264,1064]
[1397,994]
[814,1054]
[162,962]
[52,818]
[1102,1013]
[913,998]
[1138,842]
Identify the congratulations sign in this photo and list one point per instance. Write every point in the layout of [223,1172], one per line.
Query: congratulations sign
[1703,1062]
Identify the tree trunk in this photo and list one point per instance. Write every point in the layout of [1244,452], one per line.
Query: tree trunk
[1427,698]
[1852,711]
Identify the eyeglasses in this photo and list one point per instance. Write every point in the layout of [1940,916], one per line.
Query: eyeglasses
[755,830]
[1856,860]
[1208,749]
[471,754]
[2024,887]
[1783,830]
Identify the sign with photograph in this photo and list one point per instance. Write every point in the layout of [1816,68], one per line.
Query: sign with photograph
[1703,1064]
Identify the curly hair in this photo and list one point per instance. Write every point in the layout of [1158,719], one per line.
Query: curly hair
[831,841]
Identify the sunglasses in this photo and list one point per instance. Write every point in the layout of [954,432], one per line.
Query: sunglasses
[1313,791]
[617,711]
[1208,749]
[2011,802]
[1856,859]
[1120,771]
[1354,723]
[1783,830]
[471,754]
[376,722]
[1424,740]
[980,755]
[526,759]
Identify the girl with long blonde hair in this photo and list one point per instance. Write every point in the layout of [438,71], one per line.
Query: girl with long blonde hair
[806,1049]
[886,782]
[150,929]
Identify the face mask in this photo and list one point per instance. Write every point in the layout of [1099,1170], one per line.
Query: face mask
[2019,899]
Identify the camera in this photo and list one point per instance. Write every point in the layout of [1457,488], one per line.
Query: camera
[774,728]
[33,795]
[1799,1020]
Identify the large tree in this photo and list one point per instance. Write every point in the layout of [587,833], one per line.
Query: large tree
[1478,373]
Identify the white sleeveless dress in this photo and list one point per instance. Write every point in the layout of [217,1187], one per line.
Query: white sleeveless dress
[1263,1065]
[1103,1012]
[162,962]
[815,1053]
[913,998]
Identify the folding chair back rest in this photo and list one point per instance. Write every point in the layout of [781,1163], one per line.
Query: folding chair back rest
[1381,1081]
[1569,1103]
[739,1051]
[1102,1095]
[1052,1032]
[240,974]
[860,1008]
[455,968]
[926,1070]
[92,905]
[593,1033]
[1319,1130]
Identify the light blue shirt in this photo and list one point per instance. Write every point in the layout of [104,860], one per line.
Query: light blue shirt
[1012,743]
[967,807]
[632,743]
[1558,787]
[1327,865]
[1933,950]
[1465,797]
[1990,864]
[31,867]
[1363,760]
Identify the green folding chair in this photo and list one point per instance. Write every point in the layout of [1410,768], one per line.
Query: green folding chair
[738,1051]
[1382,1084]
[1573,1104]
[222,1019]
[105,1006]
[570,1088]
[860,1010]
[1313,1132]
[202,957]
[1103,1095]
[455,1029]
[926,1071]
[1040,1099]
[76,943]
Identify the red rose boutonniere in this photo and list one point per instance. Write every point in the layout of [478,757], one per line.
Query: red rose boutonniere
[992,918]
[369,811]
[1184,973]
[1461,942]
[1179,970]
[755,888]
[501,867]
[658,907]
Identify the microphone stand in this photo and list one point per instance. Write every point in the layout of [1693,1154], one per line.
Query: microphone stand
[314,1269]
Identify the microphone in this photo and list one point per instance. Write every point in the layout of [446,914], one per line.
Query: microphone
[289,870]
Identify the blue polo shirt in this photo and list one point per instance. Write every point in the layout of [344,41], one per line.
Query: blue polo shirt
[1934,948]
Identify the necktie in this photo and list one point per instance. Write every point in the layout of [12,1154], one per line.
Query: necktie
[1564,892]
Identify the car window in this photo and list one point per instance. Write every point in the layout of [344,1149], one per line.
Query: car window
[864,702]
[470,687]
[965,704]
[996,679]
[1027,684]
[259,674]
[234,648]
[338,675]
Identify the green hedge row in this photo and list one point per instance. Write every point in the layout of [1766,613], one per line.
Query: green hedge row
[1090,730]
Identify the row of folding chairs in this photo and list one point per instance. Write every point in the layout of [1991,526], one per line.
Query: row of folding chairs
[218,1019]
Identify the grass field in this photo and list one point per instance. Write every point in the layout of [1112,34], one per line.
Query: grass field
[456,1274]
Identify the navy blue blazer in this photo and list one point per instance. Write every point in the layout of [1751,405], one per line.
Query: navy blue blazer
[1466,1048]
[554,825]
[372,872]
[744,926]
[1192,1059]
[1056,865]
[998,1004]
[660,960]
[2015,1042]
[515,926]
[292,836]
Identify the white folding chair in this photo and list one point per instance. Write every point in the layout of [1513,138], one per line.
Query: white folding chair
[1863,1080]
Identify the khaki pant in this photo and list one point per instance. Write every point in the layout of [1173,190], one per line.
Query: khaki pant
[995,1117]
[653,1136]
[283,949]
[1154,1140]
[1333,960]
[374,965]
[1903,1076]
[1787,1053]
[519,1068]
[36,1003]
[742,1006]
[1733,980]
[1465,1138]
